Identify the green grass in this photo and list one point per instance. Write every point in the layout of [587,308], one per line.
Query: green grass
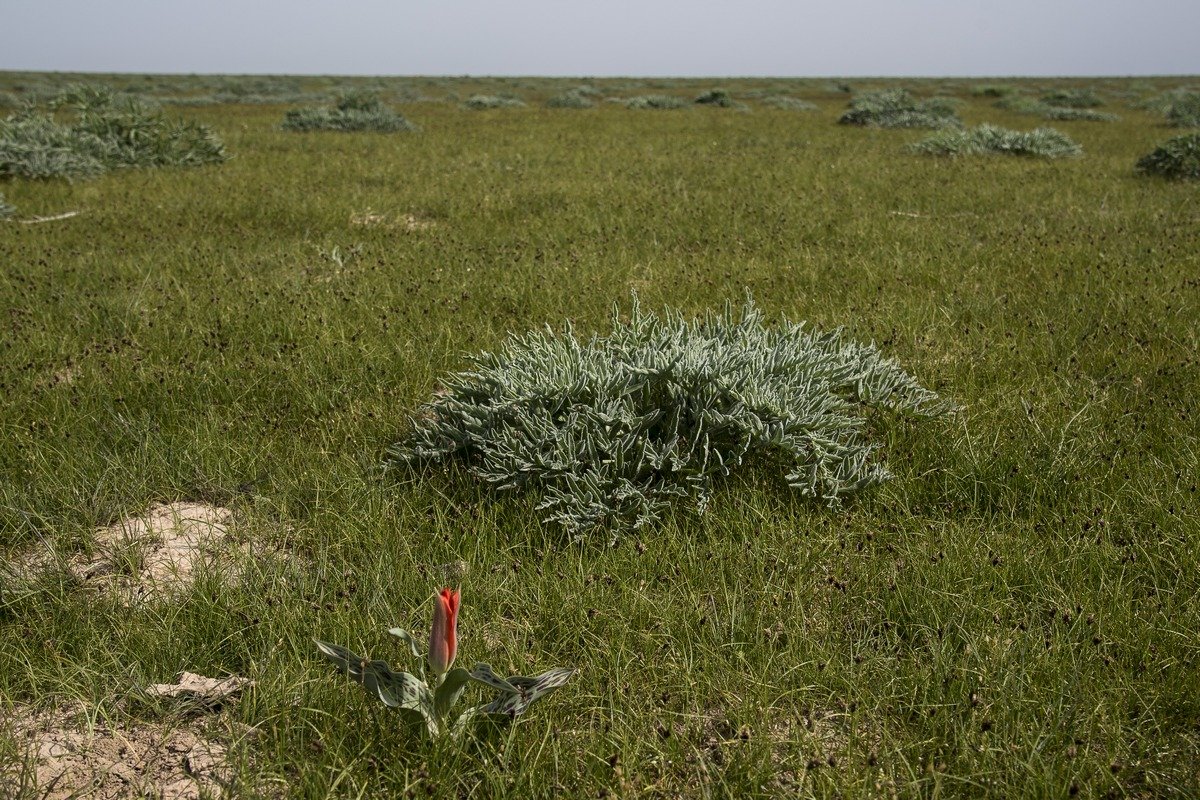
[1014,615]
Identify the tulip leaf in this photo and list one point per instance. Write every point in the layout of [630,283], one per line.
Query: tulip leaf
[394,689]
[405,636]
[484,674]
[451,688]
[527,690]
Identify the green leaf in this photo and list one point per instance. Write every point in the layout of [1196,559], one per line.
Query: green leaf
[405,636]
[527,690]
[451,688]
[394,689]
[484,674]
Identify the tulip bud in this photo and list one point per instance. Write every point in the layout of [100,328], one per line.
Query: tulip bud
[443,637]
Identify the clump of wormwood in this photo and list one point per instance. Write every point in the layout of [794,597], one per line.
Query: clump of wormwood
[719,98]
[1072,98]
[1044,142]
[992,90]
[482,102]
[610,430]
[355,111]
[788,103]
[658,102]
[896,108]
[1184,110]
[1026,105]
[88,130]
[571,98]
[6,210]
[1178,157]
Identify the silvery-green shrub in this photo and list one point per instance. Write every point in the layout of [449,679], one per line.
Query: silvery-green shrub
[611,429]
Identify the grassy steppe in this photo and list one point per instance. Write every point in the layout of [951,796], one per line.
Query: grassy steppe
[1015,615]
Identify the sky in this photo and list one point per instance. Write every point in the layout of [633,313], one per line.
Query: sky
[615,37]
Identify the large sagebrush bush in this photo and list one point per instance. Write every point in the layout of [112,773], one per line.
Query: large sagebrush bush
[1177,158]
[88,130]
[354,112]
[1044,142]
[897,108]
[611,429]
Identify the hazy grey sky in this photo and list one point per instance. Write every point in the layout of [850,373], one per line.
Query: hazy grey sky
[617,37]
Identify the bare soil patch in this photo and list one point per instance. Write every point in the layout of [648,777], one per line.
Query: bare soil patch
[152,556]
[70,754]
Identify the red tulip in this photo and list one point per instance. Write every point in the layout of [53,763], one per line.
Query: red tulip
[443,638]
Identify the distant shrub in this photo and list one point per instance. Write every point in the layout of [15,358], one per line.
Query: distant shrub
[569,99]
[6,211]
[1022,104]
[1184,110]
[1177,158]
[612,429]
[1027,105]
[789,103]
[716,97]
[98,130]
[355,112]
[1162,102]
[1072,98]
[664,102]
[1044,142]
[227,98]
[481,102]
[896,108]
[1066,113]
[992,90]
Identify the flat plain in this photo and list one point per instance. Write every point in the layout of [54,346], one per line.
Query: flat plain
[1015,614]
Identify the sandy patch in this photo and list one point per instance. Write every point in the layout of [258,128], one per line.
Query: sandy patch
[69,755]
[159,553]
[155,555]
